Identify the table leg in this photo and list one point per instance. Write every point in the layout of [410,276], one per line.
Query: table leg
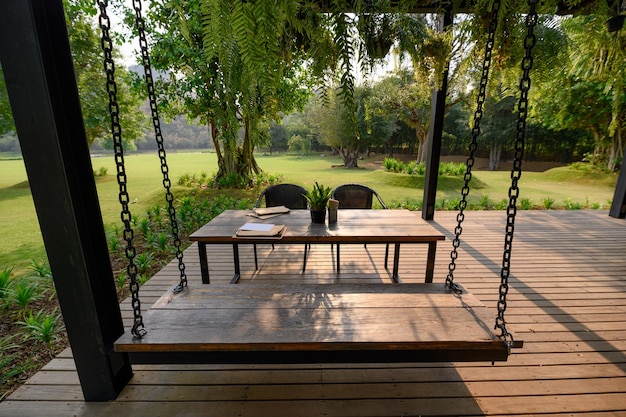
[396,262]
[236,261]
[204,263]
[306,251]
[338,258]
[386,255]
[430,262]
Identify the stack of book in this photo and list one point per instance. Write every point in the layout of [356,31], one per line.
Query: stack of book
[268,212]
[261,230]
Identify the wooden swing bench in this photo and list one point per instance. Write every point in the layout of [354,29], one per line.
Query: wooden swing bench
[300,323]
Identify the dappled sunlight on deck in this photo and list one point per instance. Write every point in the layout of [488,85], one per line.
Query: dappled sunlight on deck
[567,301]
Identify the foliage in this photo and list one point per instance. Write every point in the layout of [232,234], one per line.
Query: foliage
[91,81]
[298,144]
[10,361]
[6,116]
[445,168]
[43,327]
[40,269]
[6,285]
[318,197]
[24,293]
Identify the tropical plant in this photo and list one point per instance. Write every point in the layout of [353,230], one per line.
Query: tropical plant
[6,284]
[10,361]
[318,197]
[41,269]
[548,203]
[25,292]
[43,327]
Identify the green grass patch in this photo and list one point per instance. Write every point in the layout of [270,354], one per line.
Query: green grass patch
[557,188]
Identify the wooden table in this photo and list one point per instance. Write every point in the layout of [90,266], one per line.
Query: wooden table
[353,226]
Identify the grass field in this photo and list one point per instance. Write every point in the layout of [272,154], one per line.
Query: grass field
[21,239]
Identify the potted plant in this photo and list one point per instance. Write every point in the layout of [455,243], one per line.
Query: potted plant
[318,199]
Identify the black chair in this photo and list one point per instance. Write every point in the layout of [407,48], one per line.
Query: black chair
[357,196]
[288,195]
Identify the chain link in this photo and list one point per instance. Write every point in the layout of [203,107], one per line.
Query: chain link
[516,171]
[482,94]
[169,197]
[138,330]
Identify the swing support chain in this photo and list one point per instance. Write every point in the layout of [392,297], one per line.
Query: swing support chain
[478,114]
[138,329]
[169,197]
[516,172]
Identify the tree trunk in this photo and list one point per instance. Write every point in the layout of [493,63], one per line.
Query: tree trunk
[422,137]
[350,157]
[495,151]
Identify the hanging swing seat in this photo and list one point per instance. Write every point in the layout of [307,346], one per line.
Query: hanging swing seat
[301,323]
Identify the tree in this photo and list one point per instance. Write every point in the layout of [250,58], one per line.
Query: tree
[91,81]
[232,66]
[299,145]
[598,58]
[498,125]
[335,128]
[6,117]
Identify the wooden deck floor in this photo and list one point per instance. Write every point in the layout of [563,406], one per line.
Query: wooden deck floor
[567,302]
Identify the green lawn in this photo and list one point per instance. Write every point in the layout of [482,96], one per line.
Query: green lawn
[22,240]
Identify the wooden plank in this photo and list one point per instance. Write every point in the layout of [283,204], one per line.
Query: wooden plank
[573,361]
[417,318]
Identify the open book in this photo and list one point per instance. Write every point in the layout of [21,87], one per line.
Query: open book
[268,212]
[262,230]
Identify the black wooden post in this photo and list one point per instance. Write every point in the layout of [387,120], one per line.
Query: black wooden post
[435,132]
[37,66]
[618,207]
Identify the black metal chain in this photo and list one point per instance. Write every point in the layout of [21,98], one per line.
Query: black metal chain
[516,171]
[138,330]
[169,197]
[482,94]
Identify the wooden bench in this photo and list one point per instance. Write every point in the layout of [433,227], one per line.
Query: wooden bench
[291,323]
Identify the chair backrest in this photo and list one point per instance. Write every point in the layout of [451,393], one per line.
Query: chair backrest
[356,196]
[288,195]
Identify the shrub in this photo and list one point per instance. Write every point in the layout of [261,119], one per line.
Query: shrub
[43,327]
[451,169]
[393,165]
[503,204]
[484,202]
[571,205]
[25,293]
[6,285]
[40,269]
[526,204]
[548,203]
[10,361]
[143,261]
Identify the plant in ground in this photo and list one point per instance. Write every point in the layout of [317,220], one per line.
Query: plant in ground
[548,203]
[43,327]
[526,204]
[143,261]
[572,205]
[40,269]
[26,291]
[10,364]
[6,285]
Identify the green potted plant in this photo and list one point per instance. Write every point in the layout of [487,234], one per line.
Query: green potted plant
[318,199]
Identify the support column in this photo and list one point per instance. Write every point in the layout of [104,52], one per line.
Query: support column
[435,133]
[618,207]
[37,66]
